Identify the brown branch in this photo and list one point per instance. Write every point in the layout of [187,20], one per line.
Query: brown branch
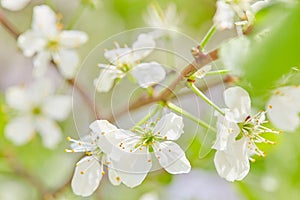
[201,60]
[89,101]
[8,26]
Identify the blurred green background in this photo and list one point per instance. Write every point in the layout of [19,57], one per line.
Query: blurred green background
[277,176]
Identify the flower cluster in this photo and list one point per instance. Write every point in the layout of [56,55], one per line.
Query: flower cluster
[127,154]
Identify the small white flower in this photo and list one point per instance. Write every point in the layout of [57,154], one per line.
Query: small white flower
[46,41]
[230,12]
[134,165]
[14,5]
[162,19]
[283,108]
[237,135]
[38,110]
[127,60]
[90,169]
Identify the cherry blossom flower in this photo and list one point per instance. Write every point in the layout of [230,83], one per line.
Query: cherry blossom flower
[162,19]
[38,109]
[46,41]
[14,5]
[127,60]
[283,108]
[90,169]
[134,165]
[237,135]
[230,13]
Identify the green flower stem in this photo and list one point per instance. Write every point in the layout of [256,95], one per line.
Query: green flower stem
[217,72]
[76,17]
[188,115]
[207,37]
[147,117]
[202,96]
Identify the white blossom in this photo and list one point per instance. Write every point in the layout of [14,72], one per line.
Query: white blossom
[14,5]
[128,60]
[237,134]
[283,108]
[230,12]
[46,41]
[90,169]
[38,109]
[134,165]
[162,19]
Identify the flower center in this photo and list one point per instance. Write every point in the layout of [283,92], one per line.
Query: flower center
[36,111]
[53,45]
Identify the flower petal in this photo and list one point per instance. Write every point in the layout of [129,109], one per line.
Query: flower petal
[120,56]
[73,39]
[226,132]
[57,107]
[67,61]
[143,46]
[233,164]
[283,108]
[238,100]
[171,157]
[41,63]
[224,16]
[31,42]
[49,131]
[170,126]
[132,167]
[148,74]
[113,177]
[39,90]
[87,176]
[44,20]
[14,5]
[17,98]
[106,79]
[20,130]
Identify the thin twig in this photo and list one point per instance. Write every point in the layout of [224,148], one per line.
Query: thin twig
[9,27]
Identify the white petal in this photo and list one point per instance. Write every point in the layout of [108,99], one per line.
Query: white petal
[87,176]
[31,42]
[57,107]
[106,79]
[233,164]
[226,132]
[132,167]
[41,63]
[171,157]
[105,131]
[39,90]
[283,108]
[143,46]
[49,131]
[148,74]
[44,20]
[120,56]
[238,100]
[67,61]
[113,176]
[224,16]
[20,130]
[170,126]
[17,98]
[14,5]
[73,39]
